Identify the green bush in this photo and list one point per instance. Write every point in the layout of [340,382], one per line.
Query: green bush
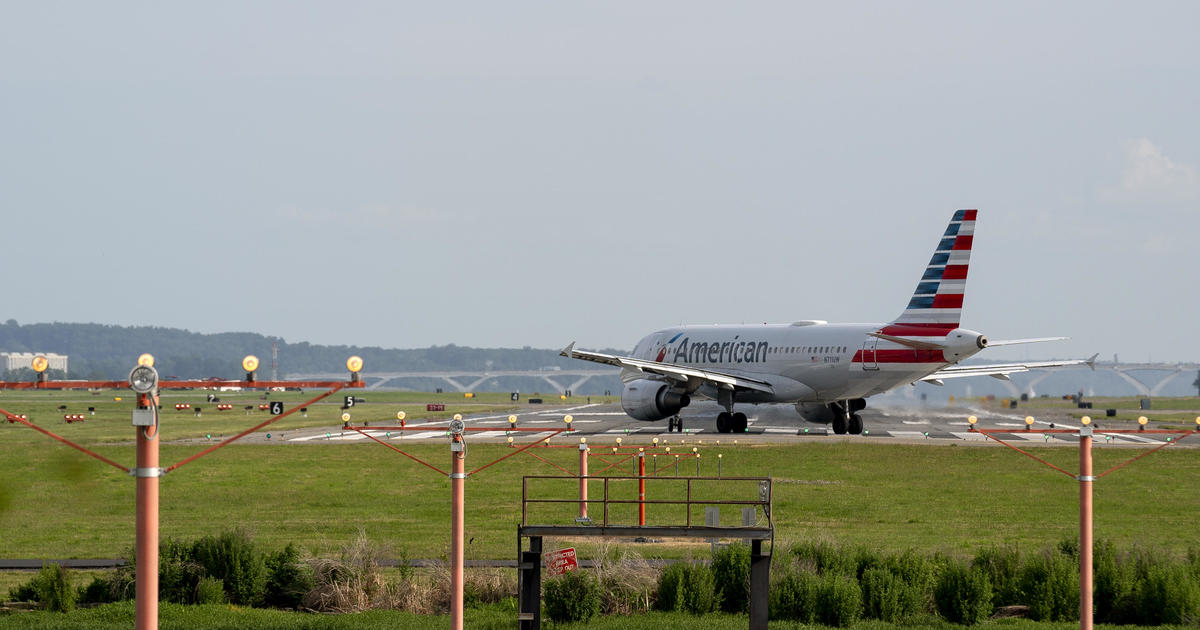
[1050,587]
[1113,580]
[888,597]
[1003,568]
[793,596]
[98,591]
[839,601]
[232,558]
[288,578]
[1167,594]
[210,590]
[178,573]
[52,588]
[687,588]
[573,596]
[731,573]
[963,594]
[823,557]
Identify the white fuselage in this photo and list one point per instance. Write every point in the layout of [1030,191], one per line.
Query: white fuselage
[804,362]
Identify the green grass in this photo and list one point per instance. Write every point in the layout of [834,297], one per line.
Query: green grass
[172,616]
[888,496]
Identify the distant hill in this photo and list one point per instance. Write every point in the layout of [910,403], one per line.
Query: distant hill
[100,351]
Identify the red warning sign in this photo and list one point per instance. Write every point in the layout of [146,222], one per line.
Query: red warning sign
[561,561]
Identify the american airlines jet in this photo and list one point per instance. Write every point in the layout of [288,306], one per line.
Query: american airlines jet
[826,370]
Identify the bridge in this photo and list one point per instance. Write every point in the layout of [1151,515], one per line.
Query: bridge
[469,380]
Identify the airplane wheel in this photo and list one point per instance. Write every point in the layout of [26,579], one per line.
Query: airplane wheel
[839,424]
[856,424]
[739,423]
[723,422]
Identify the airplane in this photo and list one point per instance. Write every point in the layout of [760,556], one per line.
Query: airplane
[826,370]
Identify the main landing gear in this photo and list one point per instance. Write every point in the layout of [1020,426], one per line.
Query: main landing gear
[845,420]
[731,422]
[675,423]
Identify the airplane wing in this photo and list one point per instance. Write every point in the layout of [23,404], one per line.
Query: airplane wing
[1002,370]
[682,373]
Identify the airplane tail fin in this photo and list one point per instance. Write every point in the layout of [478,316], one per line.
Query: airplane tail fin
[936,304]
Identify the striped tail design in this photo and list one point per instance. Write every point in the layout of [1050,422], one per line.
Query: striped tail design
[936,305]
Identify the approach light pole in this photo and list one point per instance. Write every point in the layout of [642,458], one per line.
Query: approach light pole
[458,478]
[143,380]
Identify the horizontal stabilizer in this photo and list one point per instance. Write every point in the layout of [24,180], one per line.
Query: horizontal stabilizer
[1013,342]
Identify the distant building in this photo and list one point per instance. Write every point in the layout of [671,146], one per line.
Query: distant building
[18,360]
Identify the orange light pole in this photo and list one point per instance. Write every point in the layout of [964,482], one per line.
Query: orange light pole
[147,473]
[1085,524]
[458,478]
[641,487]
[583,478]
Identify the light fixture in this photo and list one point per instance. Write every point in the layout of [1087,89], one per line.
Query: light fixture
[1142,420]
[250,363]
[400,415]
[972,420]
[143,379]
[457,425]
[146,359]
[40,364]
[567,418]
[1029,421]
[354,364]
[1085,420]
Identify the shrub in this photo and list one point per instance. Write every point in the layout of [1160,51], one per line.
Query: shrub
[687,588]
[627,583]
[210,590]
[178,573]
[1003,568]
[1113,580]
[98,591]
[731,573]
[572,596]
[52,587]
[919,573]
[288,579]
[232,558]
[794,596]
[839,601]
[1050,587]
[1166,594]
[353,582]
[963,594]
[823,557]
[887,597]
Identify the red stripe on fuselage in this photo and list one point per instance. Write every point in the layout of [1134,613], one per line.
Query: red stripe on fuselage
[899,356]
[918,330]
[954,272]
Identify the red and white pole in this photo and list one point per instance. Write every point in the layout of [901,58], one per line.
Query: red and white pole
[146,546]
[1085,526]
[458,478]
[641,488]
[583,478]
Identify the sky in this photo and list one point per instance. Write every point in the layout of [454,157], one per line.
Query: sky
[516,174]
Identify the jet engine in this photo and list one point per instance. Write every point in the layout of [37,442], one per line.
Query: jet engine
[650,400]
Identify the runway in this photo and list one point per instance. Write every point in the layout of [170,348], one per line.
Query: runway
[604,423]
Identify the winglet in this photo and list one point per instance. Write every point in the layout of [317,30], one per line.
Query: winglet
[569,351]
[1092,361]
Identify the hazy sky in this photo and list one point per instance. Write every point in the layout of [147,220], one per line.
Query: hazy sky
[516,173]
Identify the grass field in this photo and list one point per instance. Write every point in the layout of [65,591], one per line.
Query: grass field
[495,617]
[889,496]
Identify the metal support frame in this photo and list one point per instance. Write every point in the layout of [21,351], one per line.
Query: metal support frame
[529,561]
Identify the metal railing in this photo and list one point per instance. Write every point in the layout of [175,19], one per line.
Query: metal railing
[690,500]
